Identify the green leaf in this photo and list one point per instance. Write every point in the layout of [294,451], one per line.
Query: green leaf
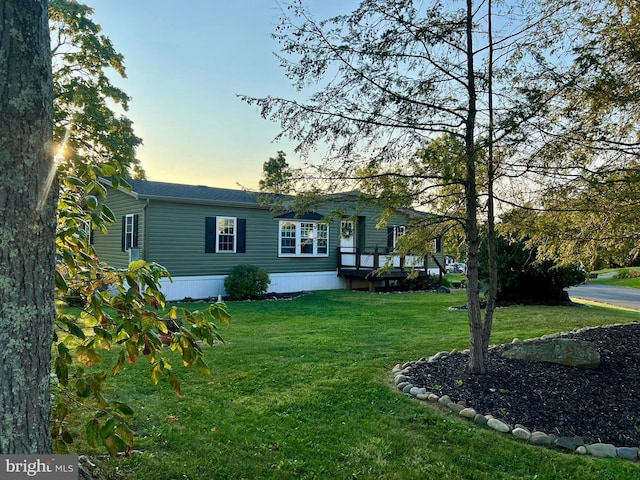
[175,384]
[108,214]
[66,436]
[75,330]
[120,363]
[132,351]
[108,428]
[156,373]
[74,181]
[69,259]
[137,265]
[123,409]
[92,430]
[202,367]
[61,369]
[91,201]
[114,444]
[61,283]
[108,170]
[82,388]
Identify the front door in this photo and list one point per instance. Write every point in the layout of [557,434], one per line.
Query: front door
[348,242]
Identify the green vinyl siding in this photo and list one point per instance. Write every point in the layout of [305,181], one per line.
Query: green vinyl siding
[109,247]
[176,233]
[172,233]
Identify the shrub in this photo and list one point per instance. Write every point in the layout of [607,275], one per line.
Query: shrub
[523,278]
[627,273]
[246,281]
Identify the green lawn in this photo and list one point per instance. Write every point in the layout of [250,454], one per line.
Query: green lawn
[303,391]
[620,282]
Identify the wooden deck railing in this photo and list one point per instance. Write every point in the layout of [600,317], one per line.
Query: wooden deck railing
[354,258]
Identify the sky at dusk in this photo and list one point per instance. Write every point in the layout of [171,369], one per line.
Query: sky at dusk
[186,62]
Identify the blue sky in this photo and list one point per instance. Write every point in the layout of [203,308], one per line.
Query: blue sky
[186,62]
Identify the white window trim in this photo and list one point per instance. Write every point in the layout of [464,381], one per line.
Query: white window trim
[398,231]
[129,224]
[235,234]
[298,238]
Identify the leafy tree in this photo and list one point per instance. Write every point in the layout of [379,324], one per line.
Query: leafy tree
[392,77]
[88,131]
[586,210]
[276,175]
[44,262]
[121,309]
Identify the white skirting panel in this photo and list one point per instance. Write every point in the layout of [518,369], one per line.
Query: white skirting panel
[199,287]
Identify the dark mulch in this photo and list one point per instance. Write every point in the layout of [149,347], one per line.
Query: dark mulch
[599,405]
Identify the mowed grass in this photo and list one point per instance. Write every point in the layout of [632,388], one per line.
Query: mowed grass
[303,390]
[619,282]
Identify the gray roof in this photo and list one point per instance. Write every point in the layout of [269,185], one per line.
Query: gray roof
[198,193]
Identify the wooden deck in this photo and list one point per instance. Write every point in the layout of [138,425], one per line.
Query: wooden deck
[355,265]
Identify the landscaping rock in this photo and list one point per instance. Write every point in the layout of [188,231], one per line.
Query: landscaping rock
[628,453]
[401,378]
[564,351]
[423,396]
[498,425]
[455,407]
[480,419]
[569,443]
[602,450]
[468,413]
[444,400]
[540,438]
[407,388]
[415,391]
[401,385]
[521,433]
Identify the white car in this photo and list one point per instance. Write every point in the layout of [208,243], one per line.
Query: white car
[456,268]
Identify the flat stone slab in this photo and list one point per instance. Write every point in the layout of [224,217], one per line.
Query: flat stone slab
[564,351]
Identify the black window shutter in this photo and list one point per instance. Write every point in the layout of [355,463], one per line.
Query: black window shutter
[135,231]
[124,233]
[241,238]
[438,244]
[210,235]
[390,238]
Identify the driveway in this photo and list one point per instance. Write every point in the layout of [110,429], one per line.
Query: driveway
[618,296]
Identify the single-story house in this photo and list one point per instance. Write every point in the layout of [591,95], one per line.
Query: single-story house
[200,233]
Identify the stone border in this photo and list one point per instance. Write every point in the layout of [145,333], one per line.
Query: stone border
[573,444]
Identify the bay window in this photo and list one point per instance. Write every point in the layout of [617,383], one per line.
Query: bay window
[303,239]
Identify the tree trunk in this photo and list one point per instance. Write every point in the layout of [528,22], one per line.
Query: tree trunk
[477,353]
[28,197]
[492,290]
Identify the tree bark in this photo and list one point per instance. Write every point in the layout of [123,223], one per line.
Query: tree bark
[477,353]
[28,194]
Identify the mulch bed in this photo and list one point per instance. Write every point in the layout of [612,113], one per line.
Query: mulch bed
[599,405]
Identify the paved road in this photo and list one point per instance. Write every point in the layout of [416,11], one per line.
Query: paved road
[619,296]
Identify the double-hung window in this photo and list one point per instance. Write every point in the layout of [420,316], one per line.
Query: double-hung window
[129,232]
[226,234]
[398,231]
[303,239]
